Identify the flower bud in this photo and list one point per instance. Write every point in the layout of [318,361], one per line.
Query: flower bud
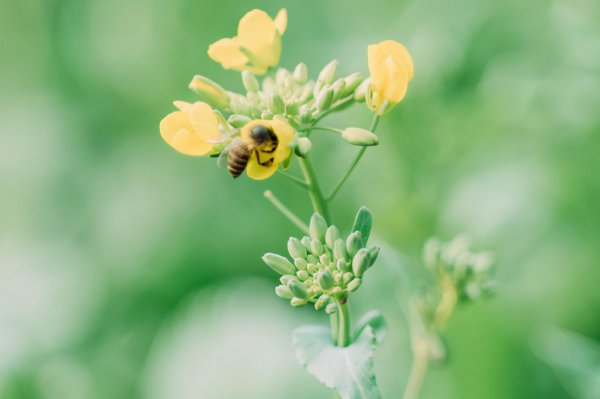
[295,302]
[237,120]
[338,89]
[312,259]
[324,259]
[324,99]
[336,290]
[373,253]
[328,72]
[276,104]
[303,146]
[302,275]
[298,289]
[346,277]
[360,262]
[295,248]
[322,302]
[301,73]
[316,247]
[342,265]
[354,284]
[250,82]
[210,92]
[325,279]
[306,242]
[286,278]
[353,243]
[331,308]
[361,91]
[352,82]
[300,263]
[278,263]
[282,291]
[339,250]
[331,236]
[312,268]
[317,227]
[358,136]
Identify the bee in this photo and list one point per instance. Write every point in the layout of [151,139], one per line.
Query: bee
[264,143]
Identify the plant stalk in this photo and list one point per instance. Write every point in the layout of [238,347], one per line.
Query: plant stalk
[314,189]
[344,324]
[418,370]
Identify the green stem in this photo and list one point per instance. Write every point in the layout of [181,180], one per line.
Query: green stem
[344,324]
[314,189]
[327,129]
[418,371]
[334,320]
[294,179]
[354,162]
[286,212]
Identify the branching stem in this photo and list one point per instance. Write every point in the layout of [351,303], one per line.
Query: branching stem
[286,211]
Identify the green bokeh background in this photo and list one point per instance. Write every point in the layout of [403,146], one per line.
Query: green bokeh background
[130,271]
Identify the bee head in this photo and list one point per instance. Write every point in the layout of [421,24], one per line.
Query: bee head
[260,133]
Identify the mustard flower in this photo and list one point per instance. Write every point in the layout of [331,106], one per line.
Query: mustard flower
[193,130]
[257,46]
[264,161]
[391,68]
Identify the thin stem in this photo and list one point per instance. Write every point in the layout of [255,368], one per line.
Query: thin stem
[418,370]
[354,162]
[286,211]
[314,189]
[334,321]
[327,128]
[294,179]
[344,324]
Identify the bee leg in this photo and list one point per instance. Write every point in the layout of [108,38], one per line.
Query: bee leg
[268,162]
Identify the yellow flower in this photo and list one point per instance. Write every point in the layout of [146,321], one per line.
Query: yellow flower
[193,130]
[257,46]
[391,68]
[285,135]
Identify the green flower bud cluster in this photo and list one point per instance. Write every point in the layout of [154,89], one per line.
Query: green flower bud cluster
[469,272]
[291,95]
[326,266]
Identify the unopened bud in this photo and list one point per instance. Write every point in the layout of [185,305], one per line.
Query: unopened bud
[210,92]
[324,259]
[331,236]
[295,302]
[316,247]
[317,227]
[302,275]
[322,302]
[346,277]
[338,89]
[278,263]
[298,289]
[237,120]
[250,82]
[325,279]
[352,82]
[301,73]
[354,284]
[342,265]
[339,250]
[353,243]
[295,248]
[300,263]
[328,72]
[312,259]
[324,99]
[373,253]
[361,91]
[306,242]
[331,308]
[276,104]
[286,278]
[360,262]
[358,136]
[312,268]
[282,291]
[303,146]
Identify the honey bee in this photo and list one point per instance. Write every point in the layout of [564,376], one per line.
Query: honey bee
[264,143]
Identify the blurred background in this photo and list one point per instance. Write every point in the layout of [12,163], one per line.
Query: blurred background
[130,271]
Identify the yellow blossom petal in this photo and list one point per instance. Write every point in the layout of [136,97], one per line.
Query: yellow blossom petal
[178,132]
[285,135]
[204,121]
[227,52]
[259,172]
[256,29]
[281,21]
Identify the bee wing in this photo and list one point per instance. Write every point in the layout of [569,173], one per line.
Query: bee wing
[222,161]
[224,137]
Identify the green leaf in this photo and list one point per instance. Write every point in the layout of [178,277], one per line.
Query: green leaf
[348,370]
[363,223]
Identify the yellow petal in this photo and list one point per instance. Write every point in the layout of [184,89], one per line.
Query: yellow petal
[204,121]
[182,105]
[399,53]
[177,131]
[397,81]
[281,21]
[260,172]
[227,53]
[285,135]
[256,30]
